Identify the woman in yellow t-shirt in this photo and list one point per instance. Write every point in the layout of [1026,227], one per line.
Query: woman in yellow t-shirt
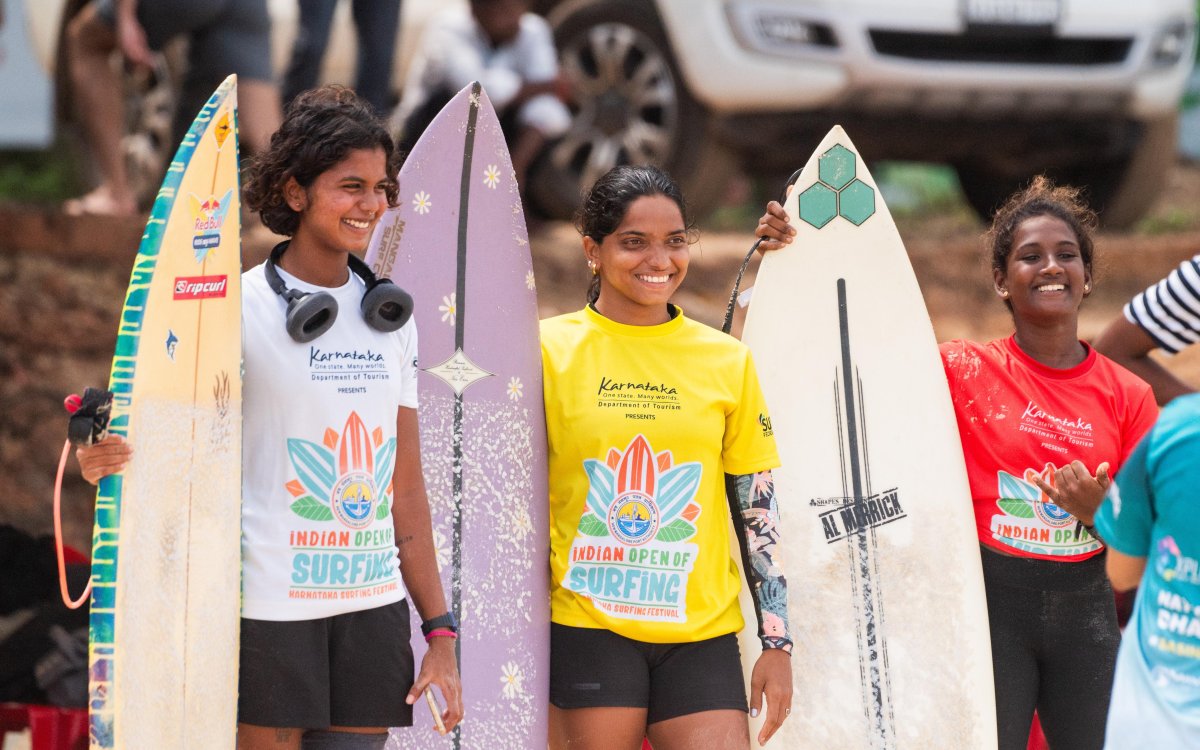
[653,420]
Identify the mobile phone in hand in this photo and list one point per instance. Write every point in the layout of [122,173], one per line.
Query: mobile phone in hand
[436,710]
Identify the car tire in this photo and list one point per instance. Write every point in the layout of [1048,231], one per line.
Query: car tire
[630,107]
[1121,189]
[1137,181]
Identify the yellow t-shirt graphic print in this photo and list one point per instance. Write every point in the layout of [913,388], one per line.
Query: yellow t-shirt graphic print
[642,424]
[632,554]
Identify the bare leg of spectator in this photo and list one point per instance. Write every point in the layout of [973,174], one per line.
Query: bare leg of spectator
[260,113]
[528,144]
[96,88]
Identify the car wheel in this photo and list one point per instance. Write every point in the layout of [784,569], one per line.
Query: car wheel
[1136,182]
[630,107]
[1121,189]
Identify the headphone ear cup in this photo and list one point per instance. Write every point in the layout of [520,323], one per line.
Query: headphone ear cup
[310,315]
[386,307]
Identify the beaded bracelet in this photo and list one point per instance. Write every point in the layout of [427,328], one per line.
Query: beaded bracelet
[440,633]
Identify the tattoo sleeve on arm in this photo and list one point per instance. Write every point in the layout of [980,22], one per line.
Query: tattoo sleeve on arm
[752,498]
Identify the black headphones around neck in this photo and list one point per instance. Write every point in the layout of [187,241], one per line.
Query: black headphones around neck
[385,307]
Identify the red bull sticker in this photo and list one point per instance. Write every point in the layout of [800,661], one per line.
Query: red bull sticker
[208,216]
[632,556]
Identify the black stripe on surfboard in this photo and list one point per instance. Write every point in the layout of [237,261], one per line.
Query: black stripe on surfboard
[877,572]
[460,325]
[864,580]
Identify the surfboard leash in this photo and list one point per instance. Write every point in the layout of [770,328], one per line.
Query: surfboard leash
[88,425]
[737,283]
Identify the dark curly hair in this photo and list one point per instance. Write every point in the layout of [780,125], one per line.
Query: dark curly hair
[608,200]
[1042,198]
[320,127]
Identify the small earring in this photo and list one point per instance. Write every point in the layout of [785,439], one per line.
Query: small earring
[1004,293]
[593,267]
[1087,288]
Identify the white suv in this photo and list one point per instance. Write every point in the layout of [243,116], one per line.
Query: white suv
[1085,90]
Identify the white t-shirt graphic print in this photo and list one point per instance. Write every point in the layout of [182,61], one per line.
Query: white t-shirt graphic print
[319,442]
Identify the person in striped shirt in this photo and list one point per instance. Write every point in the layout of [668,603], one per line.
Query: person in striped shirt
[1166,316]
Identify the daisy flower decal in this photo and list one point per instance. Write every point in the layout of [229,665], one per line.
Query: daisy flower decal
[491,176]
[448,308]
[422,202]
[515,388]
[511,678]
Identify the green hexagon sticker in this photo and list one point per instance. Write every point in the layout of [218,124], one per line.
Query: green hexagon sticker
[818,205]
[836,167]
[856,202]
[838,191]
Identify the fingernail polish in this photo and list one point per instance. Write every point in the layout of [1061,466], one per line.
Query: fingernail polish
[753,713]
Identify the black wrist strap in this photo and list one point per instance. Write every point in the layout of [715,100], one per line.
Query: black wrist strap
[441,622]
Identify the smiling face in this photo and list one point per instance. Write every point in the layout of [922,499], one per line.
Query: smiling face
[342,205]
[642,262]
[1045,277]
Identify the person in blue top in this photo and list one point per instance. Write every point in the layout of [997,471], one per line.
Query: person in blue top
[1150,521]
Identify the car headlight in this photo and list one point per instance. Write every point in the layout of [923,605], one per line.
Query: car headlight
[1171,44]
[773,30]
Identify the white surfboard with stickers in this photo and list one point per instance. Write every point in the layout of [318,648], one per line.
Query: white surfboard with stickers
[886,596]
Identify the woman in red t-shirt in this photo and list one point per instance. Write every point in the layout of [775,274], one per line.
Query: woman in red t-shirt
[1045,422]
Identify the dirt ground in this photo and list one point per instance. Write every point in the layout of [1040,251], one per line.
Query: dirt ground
[62,283]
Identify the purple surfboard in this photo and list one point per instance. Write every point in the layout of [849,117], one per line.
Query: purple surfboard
[457,242]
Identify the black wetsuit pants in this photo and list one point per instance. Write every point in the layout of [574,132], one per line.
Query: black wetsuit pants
[1054,647]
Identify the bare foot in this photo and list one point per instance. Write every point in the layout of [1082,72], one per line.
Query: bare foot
[100,202]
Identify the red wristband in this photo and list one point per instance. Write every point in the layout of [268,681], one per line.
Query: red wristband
[440,633]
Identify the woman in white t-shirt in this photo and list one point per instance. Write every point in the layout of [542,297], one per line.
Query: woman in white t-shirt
[325,658]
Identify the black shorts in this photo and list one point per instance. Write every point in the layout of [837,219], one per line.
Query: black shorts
[594,668]
[351,670]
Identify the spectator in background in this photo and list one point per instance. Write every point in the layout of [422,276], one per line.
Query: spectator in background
[1151,510]
[507,49]
[43,644]
[225,36]
[1164,316]
[376,21]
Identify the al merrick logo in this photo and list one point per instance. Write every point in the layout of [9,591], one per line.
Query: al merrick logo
[200,287]
[852,516]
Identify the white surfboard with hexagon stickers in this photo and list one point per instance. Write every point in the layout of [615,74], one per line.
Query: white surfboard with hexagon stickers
[886,596]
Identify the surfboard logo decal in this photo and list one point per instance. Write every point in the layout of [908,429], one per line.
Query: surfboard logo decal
[346,477]
[1029,521]
[850,517]
[631,555]
[837,191]
[222,129]
[200,287]
[208,216]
